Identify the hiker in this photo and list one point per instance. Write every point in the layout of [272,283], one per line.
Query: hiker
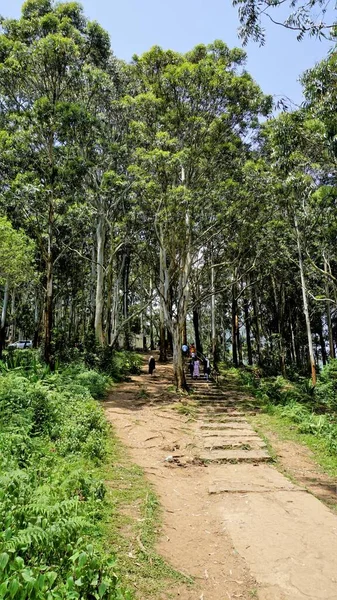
[192,350]
[196,368]
[207,368]
[152,365]
[185,349]
[191,366]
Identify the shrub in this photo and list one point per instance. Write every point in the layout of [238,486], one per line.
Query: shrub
[52,435]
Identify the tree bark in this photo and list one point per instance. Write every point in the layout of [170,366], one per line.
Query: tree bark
[213,325]
[322,343]
[126,275]
[48,309]
[247,324]
[234,327]
[198,344]
[256,326]
[99,302]
[305,304]
[328,313]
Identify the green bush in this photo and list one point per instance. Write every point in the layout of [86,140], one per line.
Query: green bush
[52,435]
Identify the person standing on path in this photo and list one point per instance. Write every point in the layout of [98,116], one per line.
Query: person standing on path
[191,366]
[196,368]
[207,368]
[152,365]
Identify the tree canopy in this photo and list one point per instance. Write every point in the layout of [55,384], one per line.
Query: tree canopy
[161,201]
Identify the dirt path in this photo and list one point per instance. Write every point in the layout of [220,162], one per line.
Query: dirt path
[242,530]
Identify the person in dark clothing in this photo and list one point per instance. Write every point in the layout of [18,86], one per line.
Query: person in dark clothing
[152,365]
[191,366]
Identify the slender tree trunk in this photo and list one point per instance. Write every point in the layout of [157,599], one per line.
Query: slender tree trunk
[151,317]
[305,305]
[198,344]
[234,326]
[322,342]
[163,300]
[48,310]
[178,364]
[247,324]
[239,342]
[213,325]
[99,302]
[182,303]
[256,326]
[328,313]
[3,317]
[126,275]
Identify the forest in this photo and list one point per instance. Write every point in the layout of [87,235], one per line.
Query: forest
[136,198]
[145,205]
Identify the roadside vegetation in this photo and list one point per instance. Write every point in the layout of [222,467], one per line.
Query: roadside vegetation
[295,408]
[65,482]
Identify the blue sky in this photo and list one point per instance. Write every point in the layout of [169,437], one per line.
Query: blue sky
[136,25]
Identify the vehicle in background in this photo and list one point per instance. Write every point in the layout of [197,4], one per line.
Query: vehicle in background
[20,345]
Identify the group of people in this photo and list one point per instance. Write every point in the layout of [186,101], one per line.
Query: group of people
[194,364]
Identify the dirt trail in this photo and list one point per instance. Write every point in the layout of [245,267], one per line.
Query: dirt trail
[230,520]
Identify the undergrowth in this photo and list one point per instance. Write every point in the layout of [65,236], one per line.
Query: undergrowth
[52,442]
[312,411]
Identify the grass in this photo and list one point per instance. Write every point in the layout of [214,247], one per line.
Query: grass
[287,430]
[131,524]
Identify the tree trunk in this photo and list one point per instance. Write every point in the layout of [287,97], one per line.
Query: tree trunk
[3,317]
[178,364]
[234,327]
[48,309]
[99,302]
[198,344]
[213,326]
[163,300]
[247,324]
[256,326]
[328,313]
[322,343]
[151,317]
[305,305]
[126,275]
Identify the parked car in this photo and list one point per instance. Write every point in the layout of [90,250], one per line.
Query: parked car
[21,345]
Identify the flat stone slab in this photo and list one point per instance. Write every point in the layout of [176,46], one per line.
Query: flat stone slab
[231,425]
[223,419]
[223,456]
[236,442]
[242,487]
[232,433]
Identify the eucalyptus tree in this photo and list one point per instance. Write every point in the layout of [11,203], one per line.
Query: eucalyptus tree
[312,17]
[190,119]
[48,61]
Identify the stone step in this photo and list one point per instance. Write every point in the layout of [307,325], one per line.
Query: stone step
[229,433]
[233,456]
[215,420]
[221,443]
[240,487]
[230,425]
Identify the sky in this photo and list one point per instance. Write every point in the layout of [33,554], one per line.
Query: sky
[137,25]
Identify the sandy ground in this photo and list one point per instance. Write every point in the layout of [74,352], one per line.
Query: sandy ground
[242,530]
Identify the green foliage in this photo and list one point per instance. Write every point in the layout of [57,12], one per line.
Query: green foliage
[326,389]
[312,410]
[16,253]
[52,434]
